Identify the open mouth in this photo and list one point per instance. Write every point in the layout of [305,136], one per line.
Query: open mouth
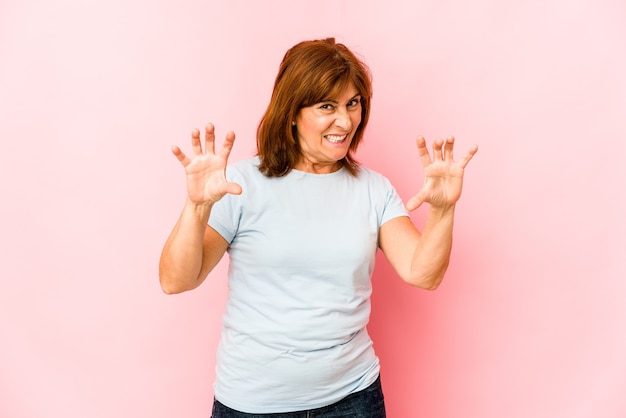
[336,139]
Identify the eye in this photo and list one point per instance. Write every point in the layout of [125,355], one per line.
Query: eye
[354,102]
[327,106]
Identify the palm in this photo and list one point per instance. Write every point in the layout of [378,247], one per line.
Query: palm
[206,171]
[443,177]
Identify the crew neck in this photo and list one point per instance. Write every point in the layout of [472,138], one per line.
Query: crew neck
[301,173]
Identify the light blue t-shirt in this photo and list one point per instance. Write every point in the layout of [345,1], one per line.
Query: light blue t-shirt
[302,251]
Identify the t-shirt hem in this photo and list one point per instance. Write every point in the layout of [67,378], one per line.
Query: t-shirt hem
[248,409]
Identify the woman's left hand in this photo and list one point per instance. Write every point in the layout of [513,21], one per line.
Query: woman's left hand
[443,177]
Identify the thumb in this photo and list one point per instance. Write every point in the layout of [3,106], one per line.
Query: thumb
[416,201]
[233,188]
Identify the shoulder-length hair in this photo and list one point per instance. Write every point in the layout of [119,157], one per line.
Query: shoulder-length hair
[311,72]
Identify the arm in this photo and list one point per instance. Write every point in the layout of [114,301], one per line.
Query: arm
[193,249]
[421,259]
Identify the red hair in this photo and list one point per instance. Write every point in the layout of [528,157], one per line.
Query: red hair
[311,71]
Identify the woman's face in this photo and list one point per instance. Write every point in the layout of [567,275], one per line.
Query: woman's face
[325,131]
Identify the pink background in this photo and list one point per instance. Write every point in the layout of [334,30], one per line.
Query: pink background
[531,318]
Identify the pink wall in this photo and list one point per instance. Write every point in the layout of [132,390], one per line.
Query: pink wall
[531,319]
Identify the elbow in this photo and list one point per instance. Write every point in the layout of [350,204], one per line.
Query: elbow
[171,284]
[169,289]
[166,281]
[172,287]
[168,286]
[434,282]
[426,281]
[432,286]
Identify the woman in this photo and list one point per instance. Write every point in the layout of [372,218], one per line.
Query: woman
[302,222]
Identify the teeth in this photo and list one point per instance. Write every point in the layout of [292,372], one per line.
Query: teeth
[336,138]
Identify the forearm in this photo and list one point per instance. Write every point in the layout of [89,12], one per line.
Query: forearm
[181,261]
[432,253]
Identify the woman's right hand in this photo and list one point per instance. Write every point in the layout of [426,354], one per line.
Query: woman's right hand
[206,171]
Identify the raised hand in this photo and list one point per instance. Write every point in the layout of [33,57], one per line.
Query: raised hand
[443,177]
[206,170]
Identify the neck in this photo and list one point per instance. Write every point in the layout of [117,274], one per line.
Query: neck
[317,167]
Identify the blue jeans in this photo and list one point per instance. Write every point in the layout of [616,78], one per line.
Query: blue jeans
[368,403]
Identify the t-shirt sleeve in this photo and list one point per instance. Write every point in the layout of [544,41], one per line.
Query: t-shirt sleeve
[393,207]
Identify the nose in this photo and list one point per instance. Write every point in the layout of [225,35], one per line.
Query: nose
[343,120]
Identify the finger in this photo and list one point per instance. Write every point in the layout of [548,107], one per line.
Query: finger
[415,202]
[233,188]
[209,138]
[448,148]
[437,149]
[196,147]
[422,151]
[180,156]
[466,159]
[228,145]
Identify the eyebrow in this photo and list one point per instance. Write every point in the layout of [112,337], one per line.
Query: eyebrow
[335,101]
